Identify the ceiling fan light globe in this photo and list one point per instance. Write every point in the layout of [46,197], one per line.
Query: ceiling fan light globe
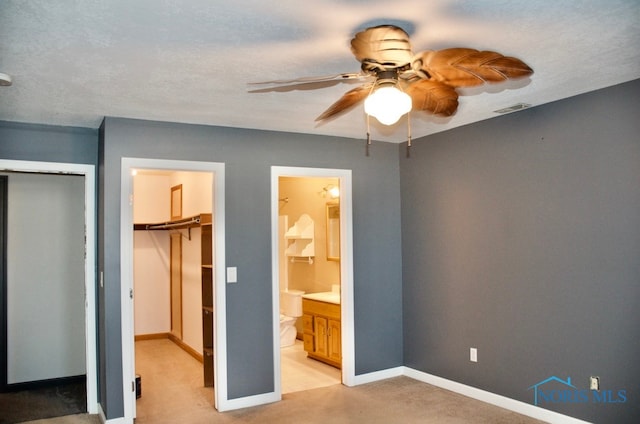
[387,105]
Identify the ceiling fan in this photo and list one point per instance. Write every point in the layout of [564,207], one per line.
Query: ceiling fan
[425,81]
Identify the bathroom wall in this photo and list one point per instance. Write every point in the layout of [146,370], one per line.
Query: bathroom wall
[306,196]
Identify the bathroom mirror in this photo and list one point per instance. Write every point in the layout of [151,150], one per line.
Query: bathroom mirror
[333,231]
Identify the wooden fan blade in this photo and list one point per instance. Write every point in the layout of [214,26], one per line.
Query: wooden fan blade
[461,67]
[346,102]
[385,44]
[311,80]
[433,96]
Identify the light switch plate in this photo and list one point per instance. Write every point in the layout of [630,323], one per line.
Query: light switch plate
[473,354]
[232,274]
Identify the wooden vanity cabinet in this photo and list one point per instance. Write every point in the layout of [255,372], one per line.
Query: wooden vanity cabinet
[322,331]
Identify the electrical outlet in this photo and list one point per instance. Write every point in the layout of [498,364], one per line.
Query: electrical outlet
[594,383]
[473,354]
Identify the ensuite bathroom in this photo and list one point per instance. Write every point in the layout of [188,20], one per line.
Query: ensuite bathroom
[309,277]
[173,279]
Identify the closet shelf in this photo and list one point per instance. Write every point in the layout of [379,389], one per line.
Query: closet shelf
[177,224]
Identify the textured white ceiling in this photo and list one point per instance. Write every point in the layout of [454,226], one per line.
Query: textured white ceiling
[74,62]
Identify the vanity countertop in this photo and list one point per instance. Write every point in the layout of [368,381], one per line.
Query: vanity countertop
[329,297]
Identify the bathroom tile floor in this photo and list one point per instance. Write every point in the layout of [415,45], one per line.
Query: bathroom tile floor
[301,373]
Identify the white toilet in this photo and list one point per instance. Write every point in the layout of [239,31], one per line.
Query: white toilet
[290,310]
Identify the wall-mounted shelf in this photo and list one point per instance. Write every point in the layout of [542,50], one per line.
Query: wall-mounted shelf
[301,238]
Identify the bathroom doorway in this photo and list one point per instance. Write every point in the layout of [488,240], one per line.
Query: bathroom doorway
[312,265]
[199,197]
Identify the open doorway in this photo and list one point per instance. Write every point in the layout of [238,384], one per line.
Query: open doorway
[173,287]
[49,203]
[186,236]
[310,328]
[312,278]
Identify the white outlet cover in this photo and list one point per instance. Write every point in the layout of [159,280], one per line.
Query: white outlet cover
[473,354]
[232,274]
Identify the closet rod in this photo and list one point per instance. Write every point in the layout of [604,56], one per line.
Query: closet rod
[186,222]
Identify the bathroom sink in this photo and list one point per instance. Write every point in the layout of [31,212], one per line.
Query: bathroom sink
[329,297]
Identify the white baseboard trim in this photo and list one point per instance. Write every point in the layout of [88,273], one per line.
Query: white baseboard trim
[469,391]
[493,399]
[120,420]
[378,375]
[245,402]
[104,420]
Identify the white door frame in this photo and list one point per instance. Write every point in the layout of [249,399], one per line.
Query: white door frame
[126,274]
[88,171]
[346,267]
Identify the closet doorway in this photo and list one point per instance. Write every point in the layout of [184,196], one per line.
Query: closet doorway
[49,202]
[307,260]
[172,289]
[169,250]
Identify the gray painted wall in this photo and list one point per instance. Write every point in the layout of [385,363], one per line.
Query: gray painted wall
[248,156]
[521,237]
[48,143]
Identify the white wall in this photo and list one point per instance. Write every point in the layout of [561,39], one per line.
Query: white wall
[151,282]
[45,276]
[151,203]
[197,191]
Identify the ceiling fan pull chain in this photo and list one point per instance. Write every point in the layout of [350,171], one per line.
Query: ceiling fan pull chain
[368,137]
[409,135]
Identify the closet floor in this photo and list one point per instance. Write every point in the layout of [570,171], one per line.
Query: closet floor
[171,382]
[171,379]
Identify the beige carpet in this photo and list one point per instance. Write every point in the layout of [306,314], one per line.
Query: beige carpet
[69,419]
[172,393]
[396,400]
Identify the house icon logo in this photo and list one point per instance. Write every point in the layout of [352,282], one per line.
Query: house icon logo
[536,387]
[558,390]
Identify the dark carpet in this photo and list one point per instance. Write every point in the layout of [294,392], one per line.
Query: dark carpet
[44,402]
